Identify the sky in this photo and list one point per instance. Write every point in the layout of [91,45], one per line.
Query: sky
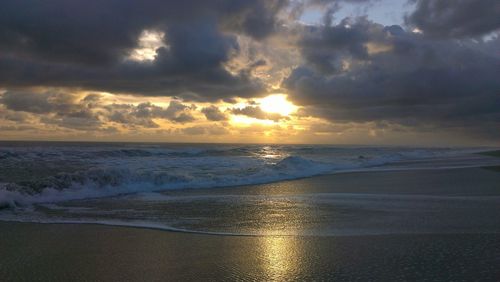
[374,72]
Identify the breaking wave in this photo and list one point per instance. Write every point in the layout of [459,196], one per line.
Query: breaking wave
[113,180]
[50,173]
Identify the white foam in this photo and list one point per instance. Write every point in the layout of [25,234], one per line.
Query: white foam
[109,171]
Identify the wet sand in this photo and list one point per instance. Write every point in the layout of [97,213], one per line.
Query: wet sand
[50,252]
[68,252]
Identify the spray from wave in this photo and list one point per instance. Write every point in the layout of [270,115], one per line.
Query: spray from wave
[52,173]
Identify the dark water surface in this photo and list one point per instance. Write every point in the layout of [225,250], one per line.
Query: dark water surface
[362,203]
[34,252]
[42,172]
[438,225]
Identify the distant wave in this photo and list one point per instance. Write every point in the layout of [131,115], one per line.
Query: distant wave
[115,180]
[59,173]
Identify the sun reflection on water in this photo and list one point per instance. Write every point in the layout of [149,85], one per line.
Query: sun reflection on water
[281,257]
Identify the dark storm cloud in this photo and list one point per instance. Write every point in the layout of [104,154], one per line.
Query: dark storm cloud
[83,44]
[356,71]
[101,31]
[325,47]
[156,79]
[413,81]
[456,18]
[257,19]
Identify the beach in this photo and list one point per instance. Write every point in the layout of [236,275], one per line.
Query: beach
[263,140]
[99,253]
[462,246]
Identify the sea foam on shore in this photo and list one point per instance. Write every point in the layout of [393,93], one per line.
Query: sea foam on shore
[50,172]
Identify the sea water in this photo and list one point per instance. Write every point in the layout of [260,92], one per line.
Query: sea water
[132,184]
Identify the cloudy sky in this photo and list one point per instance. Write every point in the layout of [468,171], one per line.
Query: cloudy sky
[416,72]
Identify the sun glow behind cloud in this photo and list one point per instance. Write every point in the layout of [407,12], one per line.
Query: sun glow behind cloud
[149,41]
[204,76]
[244,120]
[277,103]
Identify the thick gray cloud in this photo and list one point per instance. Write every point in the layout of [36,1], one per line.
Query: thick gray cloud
[356,71]
[88,113]
[123,114]
[40,103]
[144,113]
[325,47]
[456,18]
[412,81]
[80,44]
[52,108]
[90,123]
[175,111]
[191,67]
[213,113]
[100,32]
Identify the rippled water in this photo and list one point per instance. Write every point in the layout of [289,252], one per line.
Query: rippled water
[48,172]
[397,202]
[142,185]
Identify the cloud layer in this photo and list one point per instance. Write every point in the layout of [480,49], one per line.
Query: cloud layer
[362,71]
[62,62]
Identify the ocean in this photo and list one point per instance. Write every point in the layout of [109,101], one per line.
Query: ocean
[212,188]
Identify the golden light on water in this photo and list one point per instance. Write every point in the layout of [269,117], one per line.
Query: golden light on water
[281,257]
[277,103]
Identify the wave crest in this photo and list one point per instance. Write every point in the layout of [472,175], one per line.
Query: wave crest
[111,180]
[62,172]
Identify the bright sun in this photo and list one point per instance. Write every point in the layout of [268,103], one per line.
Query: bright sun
[277,103]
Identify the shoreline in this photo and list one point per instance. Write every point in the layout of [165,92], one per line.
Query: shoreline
[48,252]
[203,233]
[321,185]
[94,225]
[99,252]
[10,198]
[374,169]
